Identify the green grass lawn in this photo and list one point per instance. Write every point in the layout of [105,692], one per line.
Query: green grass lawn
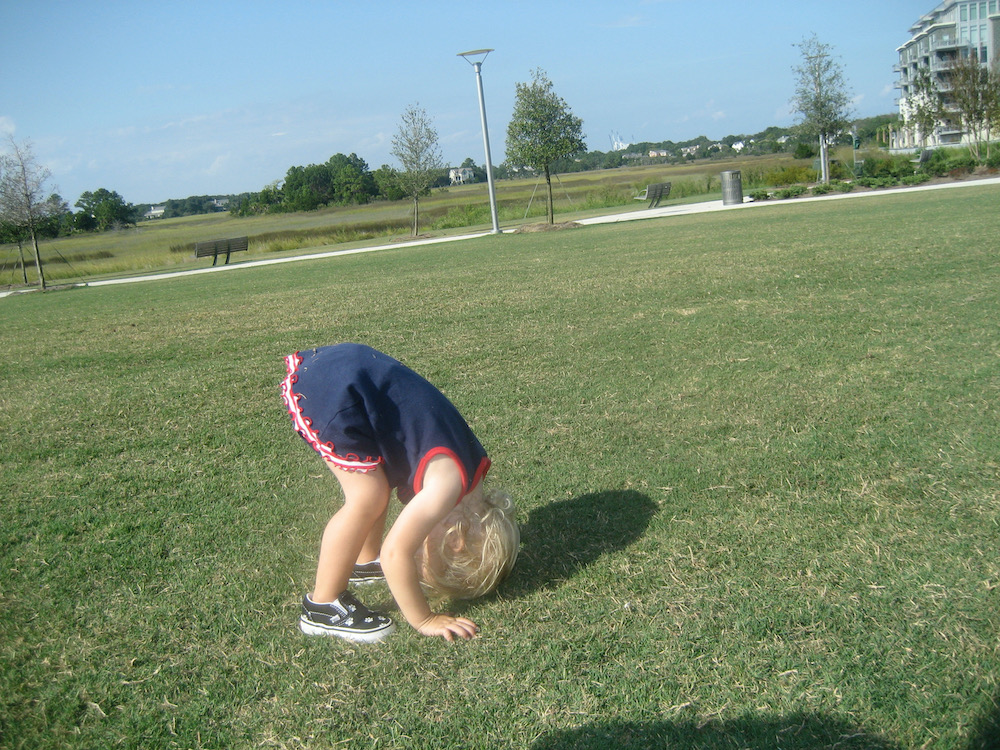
[755,455]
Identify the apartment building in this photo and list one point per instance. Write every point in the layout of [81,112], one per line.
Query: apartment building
[956,28]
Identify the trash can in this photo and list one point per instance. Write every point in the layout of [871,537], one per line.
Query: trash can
[732,188]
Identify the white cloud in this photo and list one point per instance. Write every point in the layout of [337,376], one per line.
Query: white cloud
[626,22]
[217,165]
[784,112]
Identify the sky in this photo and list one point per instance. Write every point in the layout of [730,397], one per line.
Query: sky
[169,100]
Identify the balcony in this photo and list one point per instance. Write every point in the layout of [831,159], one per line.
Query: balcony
[941,42]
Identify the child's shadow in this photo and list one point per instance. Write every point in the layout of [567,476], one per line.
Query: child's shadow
[562,537]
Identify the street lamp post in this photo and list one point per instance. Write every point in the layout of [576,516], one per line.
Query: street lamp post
[477,66]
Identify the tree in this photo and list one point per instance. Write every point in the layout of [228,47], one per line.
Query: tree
[924,107]
[966,94]
[821,97]
[22,190]
[104,209]
[974,99]
[542,129]
[351,179]
[416,146]
[387,183]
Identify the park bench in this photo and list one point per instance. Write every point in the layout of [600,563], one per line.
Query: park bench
[925,156]
[215,248]
[654,193]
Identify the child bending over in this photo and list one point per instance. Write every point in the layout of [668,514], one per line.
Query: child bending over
[380,426]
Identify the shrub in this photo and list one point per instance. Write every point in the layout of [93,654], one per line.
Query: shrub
[915,179]
[936,165]
[804,151]
[793,191]
[880,166]
[823,189]
[840,171]
[960,164]
[954,162]
[877,182]
[760,195]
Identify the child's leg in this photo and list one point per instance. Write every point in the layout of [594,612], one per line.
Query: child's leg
[366,501]
[372,547]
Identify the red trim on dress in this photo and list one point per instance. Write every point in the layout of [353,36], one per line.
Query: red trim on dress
[418,478]
[303,425]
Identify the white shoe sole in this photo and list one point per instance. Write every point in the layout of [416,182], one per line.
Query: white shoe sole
[370,636]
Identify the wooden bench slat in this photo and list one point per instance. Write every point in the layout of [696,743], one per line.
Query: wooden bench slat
[216,247]
[655,192]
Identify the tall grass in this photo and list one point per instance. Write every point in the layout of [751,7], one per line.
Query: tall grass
[754,455]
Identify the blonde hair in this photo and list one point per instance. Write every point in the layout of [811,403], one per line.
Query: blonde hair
[477,550]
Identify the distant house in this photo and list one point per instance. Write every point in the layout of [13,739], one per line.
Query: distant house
[460,175]
[658,152]
[155,212]
[221,204]
[689,150]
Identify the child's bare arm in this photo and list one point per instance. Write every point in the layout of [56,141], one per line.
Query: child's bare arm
[441,491]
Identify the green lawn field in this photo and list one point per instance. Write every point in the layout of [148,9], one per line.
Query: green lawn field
[755,457]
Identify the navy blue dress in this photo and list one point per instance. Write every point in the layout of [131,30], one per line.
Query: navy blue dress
[360,409]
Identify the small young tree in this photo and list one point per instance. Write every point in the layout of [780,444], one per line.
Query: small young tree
[416,147]
[22,190]
[542,129]
[821,97]
[974,99]
[969,96]
[924,107]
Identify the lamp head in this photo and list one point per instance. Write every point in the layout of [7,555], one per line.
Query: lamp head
[473,53]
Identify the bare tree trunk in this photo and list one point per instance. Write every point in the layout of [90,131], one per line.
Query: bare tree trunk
[416,214]
[38,261]
[550,212]
[24,269]
[824,160]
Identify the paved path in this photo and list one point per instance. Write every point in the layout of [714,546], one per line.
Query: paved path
[697,208]
[652,213]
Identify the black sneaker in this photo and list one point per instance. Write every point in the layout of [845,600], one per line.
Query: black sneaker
[367,573]
[346,617]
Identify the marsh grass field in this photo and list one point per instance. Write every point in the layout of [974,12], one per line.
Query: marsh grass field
[755,456]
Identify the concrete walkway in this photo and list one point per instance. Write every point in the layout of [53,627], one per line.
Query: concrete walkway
[698,208]
[652,213]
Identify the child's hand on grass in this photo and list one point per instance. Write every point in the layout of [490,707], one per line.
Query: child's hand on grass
[448,627]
